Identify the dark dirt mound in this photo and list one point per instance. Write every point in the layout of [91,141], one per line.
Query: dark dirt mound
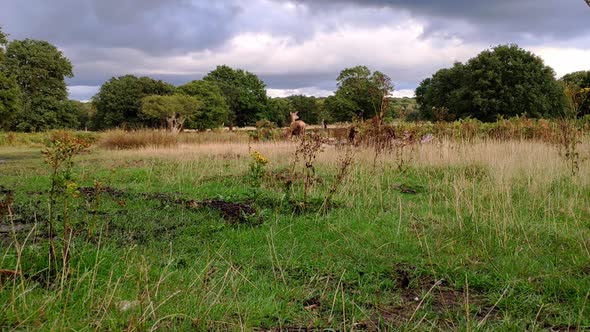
[233,212]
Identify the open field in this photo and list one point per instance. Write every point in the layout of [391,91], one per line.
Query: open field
[484,235]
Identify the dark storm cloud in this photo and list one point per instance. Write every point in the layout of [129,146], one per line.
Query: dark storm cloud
[493,20]
[153,26]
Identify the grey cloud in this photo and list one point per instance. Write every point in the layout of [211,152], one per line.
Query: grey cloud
[153,26]
[492,20]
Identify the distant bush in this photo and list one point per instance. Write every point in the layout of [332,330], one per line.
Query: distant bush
[37,139]
[266,131]
[121,139]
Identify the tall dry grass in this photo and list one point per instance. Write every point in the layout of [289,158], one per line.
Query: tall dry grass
[504,159]
[121,139]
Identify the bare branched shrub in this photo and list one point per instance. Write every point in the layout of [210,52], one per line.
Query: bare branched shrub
[567,139]
[307,151]
[59,154]
[398,140]
[569,133]
[345,164]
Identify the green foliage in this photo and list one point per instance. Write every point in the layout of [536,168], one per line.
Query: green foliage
[39,69]
[244,92]
[214,111]
[579,80]
[340,109]
[277,111]
[118,102]
[504,81]
[510,81]
[3,42]
[307,107]
[10,101]
[84,112]
[446,88]
[360,93]
[172,111]
[400,108]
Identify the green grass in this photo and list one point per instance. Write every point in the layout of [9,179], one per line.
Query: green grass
[433,248]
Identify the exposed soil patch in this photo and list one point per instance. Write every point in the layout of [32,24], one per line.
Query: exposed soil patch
[233,212]
[418,292]
[15,218]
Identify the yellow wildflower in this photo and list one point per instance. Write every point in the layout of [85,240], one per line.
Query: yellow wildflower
[259,158]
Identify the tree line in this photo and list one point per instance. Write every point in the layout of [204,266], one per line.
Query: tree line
[500,82]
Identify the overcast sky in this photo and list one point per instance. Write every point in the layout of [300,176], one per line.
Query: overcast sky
[296,47]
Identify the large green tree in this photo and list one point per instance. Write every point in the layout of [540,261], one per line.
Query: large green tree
[214,112]
[244,92]
[10,95]
[118,102]
[360,92]
[39,69]
[446,89]
[10,101]
[172,110]
[577,81]
[277,111]
[340,109]
[504,81]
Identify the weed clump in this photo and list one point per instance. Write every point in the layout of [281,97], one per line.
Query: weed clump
[59,153]
[307,151]
[257,168]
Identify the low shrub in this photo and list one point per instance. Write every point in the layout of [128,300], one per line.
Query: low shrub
[266,131]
